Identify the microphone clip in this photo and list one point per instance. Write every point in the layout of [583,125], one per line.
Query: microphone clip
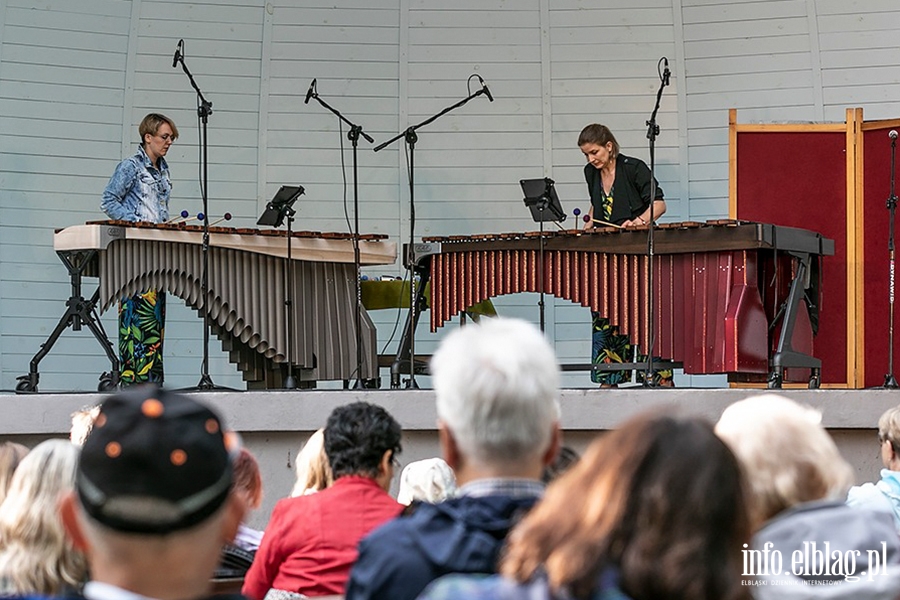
[179,53]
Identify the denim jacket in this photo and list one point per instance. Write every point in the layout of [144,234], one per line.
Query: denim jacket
[138,191]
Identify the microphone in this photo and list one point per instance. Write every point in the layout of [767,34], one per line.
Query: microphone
[893,134]
[309,92]
[485,89]
[178,56]
[666,72]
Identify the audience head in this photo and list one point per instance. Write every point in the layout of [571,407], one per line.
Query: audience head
[36,555]
[82,423]
[889,438]
[11,454]
[313,470]
[362,439]
[661,500]
[430,480]
[496,384]
[154,493]
[247,479]
[788,456]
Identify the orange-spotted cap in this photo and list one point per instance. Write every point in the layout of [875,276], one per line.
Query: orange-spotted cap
[152,447]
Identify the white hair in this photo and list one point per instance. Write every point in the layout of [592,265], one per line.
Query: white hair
[787,455]
[889,426]
[430,480]
[82,424]
[497,384]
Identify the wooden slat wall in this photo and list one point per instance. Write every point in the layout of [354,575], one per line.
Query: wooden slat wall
[76,78]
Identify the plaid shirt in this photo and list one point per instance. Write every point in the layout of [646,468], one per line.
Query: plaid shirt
[503,486]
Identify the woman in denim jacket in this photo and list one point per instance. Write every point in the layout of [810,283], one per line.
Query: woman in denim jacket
[139,190]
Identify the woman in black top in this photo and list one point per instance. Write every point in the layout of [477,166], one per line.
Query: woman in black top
[619,186]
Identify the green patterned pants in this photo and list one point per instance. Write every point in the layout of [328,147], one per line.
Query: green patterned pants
[142,321]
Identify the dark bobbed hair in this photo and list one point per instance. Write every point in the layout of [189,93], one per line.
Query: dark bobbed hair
[595,133]
[357,436]
[661,499]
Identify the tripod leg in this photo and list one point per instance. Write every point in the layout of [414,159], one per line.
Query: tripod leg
[29,383]
[111,380]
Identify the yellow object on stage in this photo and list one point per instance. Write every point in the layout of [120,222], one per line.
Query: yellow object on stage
[394,293]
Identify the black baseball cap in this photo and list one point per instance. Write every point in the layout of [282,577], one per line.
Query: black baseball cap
[155,462]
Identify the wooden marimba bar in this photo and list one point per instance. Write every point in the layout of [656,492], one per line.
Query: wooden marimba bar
[246,290]
[718,285]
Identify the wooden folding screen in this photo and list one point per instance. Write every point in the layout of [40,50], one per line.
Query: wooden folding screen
[833,179]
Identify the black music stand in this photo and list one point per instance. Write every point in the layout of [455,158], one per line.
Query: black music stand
[279,208]
[541,198]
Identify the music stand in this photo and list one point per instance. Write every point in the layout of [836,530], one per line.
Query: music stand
[281,206]
[541,198]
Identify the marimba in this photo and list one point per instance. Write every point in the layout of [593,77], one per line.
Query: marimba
[730,297]
[246,291]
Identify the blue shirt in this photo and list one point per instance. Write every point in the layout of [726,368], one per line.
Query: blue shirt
[138,191]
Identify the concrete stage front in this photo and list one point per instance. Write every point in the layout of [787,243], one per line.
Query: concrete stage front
[275,424]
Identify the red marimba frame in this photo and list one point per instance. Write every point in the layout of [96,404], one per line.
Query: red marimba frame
[722,288]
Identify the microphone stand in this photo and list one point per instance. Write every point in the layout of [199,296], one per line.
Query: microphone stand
[204,109]
[652,132]
[353,135]
[411,138]
[890,382]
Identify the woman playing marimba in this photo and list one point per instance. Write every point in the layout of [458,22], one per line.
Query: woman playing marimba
[619,186]
[139,190]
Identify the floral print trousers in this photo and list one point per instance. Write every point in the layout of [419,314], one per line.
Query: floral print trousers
[141,327]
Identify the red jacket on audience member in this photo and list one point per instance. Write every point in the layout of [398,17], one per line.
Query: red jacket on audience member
[310,542]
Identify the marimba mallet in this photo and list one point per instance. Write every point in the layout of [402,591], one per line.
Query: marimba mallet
[588,219]
[183,215]
[199,217]
[225,217]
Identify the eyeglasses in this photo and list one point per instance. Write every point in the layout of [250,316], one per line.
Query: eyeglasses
[166,137]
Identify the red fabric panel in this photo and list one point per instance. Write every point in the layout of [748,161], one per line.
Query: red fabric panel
[799,179]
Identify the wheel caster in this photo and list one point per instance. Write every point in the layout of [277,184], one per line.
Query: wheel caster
[814,382]
[26,383]
[774,382]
